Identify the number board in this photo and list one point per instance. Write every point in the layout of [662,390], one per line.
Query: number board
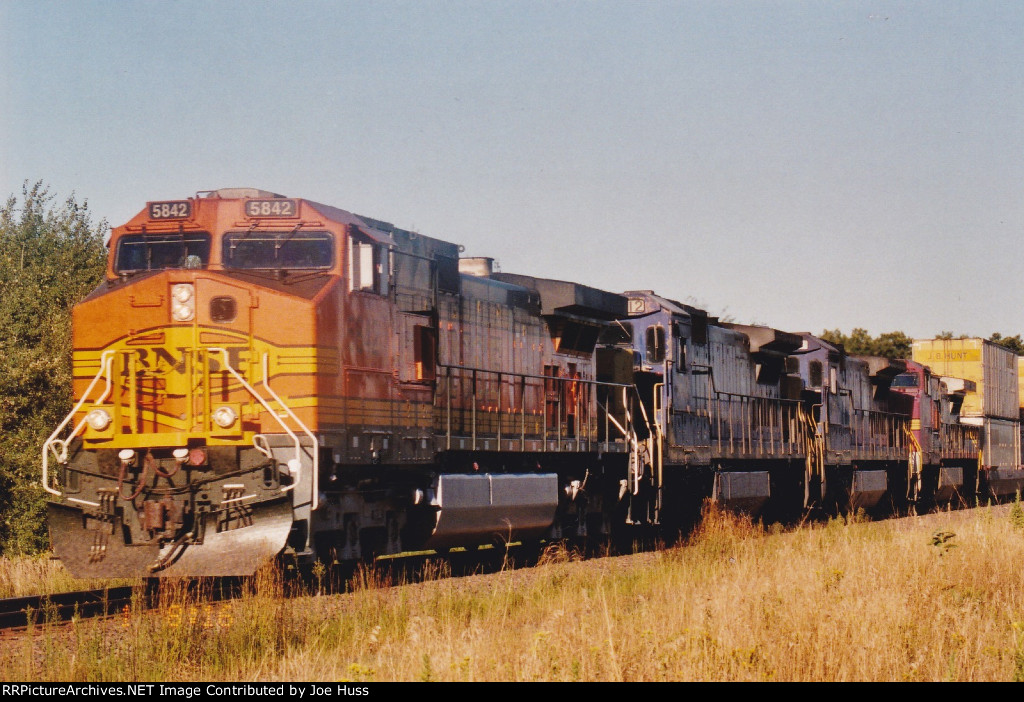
[637,305]
[176,209]
[271,208]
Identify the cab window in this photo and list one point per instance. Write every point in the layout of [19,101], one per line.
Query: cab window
[294,250]
[655,344]
[905,380]
[817,374]
[368,268]
[149,252]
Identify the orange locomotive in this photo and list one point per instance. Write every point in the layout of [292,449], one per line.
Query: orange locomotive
[262,375]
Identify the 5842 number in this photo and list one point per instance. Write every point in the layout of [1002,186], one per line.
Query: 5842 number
[271,208]
[178,209]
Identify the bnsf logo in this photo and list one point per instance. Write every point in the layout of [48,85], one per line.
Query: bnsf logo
[162,361]
[161,371]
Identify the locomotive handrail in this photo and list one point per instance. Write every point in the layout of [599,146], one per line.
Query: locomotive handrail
[869,423]
[659,422]
[747,424]
[314,449]
[585,381]
[754,425]
[295,465]
[815,447]
[711,374]
[746,420]
[635,469]
[740,395]
[958,441]
[915,462]
[859,413]
[582,433]
[105,360]
[882,413]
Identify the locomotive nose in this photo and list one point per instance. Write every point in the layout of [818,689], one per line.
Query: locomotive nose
[101,552]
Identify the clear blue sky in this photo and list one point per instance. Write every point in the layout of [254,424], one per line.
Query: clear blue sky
[807,165]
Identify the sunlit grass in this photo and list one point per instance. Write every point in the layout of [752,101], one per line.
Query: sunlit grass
[929,598]
[41,575]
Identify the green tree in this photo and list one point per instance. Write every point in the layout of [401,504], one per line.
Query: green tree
[1014,343]
[51,256]
[837,337]
[859,342]
[894,344]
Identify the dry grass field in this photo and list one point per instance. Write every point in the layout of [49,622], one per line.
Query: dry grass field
[939,597]
[36,575]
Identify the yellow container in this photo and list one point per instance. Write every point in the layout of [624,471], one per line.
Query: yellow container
[993,368]
[1020,380]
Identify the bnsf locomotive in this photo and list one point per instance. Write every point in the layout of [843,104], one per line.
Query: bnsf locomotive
[261,375]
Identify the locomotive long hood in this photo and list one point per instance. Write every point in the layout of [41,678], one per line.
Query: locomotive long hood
[559,296]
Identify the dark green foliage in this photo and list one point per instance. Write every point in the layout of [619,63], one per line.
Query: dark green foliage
[943,541]
[1017,513]
[1014,343]
[894,344]
[51,256]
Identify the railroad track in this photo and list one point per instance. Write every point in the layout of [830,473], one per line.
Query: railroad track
[19,613]
[16,612]
[22,612]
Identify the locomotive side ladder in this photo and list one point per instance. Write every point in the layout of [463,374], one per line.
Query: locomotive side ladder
[645,458]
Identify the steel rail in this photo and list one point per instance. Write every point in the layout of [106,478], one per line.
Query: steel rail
[33,610]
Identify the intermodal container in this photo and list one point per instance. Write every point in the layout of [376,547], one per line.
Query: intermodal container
[1001,443]
[1020,382]
[993,368]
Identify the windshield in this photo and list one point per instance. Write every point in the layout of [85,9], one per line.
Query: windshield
[145,252]
[905,380]
[275,250]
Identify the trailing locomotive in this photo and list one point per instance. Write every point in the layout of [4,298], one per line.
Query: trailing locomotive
[261,375]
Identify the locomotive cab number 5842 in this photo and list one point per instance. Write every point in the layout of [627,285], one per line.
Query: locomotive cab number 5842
[271,208]
[177,209]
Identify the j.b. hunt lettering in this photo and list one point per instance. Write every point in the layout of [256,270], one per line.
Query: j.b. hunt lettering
[964,356]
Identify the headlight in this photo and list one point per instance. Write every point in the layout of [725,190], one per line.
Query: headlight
[183,313]
[183,305]
[224,416]
[98,419]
